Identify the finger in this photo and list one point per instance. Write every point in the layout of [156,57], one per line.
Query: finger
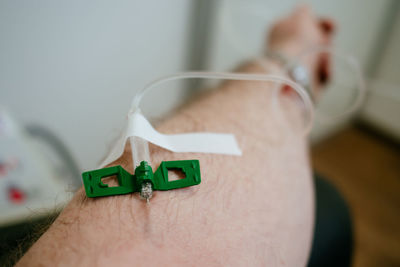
[324,70]
[302,10]
[328,26]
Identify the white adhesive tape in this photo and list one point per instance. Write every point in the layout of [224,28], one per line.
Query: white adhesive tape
[204,142]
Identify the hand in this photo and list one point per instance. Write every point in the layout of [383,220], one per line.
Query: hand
[301,31]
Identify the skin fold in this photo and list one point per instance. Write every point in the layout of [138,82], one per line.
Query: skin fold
[253,210]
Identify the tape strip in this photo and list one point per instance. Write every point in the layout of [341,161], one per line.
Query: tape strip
[203,142]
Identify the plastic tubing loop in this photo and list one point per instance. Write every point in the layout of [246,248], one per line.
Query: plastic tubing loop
[354,65]
[240,45]
[140,148]
[135,107]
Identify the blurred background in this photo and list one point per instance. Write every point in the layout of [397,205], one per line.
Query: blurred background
[69,69]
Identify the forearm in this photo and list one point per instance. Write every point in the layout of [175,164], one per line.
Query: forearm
[250,210]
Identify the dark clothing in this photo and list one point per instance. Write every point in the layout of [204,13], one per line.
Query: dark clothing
[333,238]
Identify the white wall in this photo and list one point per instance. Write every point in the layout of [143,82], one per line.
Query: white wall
[73,66]
[241,28]
[382,107]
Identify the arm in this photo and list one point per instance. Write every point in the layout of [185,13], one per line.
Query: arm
[254,210]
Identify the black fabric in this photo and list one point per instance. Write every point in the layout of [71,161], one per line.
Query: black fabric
[333,238]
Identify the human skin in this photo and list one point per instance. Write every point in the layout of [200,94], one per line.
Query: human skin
[252,210]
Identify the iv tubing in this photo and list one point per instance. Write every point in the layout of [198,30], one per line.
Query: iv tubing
[140,149]
[230,76]
[241,47]
[351,61]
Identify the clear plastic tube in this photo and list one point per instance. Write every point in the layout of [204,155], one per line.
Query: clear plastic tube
[353,63]
[140,150]
[241,47]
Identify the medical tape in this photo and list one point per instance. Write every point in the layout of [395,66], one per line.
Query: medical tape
[201,142]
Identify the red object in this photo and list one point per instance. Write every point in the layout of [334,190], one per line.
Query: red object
[286,89]
[16,195]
